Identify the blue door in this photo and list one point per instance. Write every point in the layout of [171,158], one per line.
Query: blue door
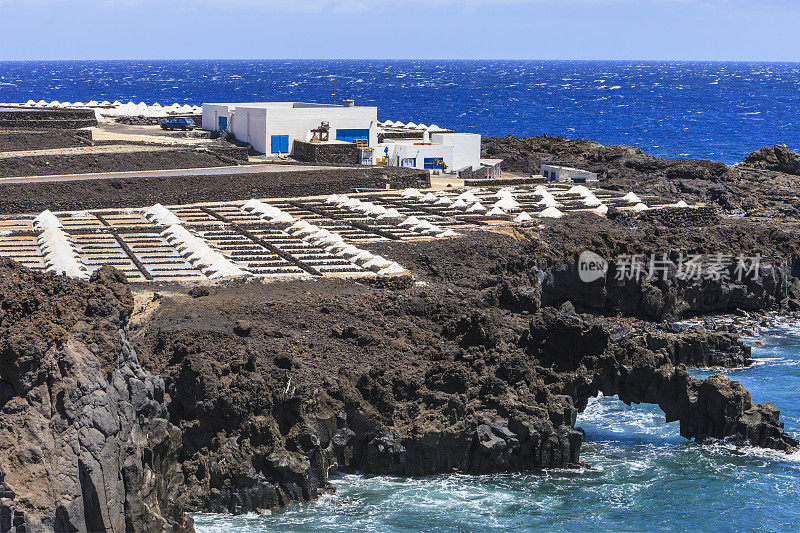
[279,144]
[223,123]
[430,163]
[350,135]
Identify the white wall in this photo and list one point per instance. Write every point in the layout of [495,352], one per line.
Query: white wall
[281,118]
[466,148]
[211,114]
[249,125]
[407,150]
[297,121]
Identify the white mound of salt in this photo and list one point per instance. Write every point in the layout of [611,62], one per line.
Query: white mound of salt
[591,201]
[197,252]
[393,268]
[680,203]
[60,254]
[444,200]
[640,207]
[429,198]
[495,212]
[410,221]
[467,197]
[523,217]
[391,213]
[551,212]
[162,216]
[548,201]
[631,198]
[601,209]
[459,204]
[477,207]
[46,219]
[411,193]
[581,190]
[506,204]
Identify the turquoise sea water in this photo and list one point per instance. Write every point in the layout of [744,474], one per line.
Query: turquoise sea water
[645,478]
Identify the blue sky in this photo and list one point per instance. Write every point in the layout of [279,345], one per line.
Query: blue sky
[751,30]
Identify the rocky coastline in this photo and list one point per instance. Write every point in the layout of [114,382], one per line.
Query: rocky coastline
[128,407]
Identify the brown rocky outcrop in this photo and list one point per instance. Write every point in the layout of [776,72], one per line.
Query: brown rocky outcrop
[86,444]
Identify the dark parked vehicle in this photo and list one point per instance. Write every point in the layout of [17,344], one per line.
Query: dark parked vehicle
[178,123]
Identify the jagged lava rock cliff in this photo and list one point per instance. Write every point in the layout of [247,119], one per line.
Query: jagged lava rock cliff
[85,444]
[483,369]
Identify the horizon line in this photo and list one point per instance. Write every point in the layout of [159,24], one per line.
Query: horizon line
[560,60]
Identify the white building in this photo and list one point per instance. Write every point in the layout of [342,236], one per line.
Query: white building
[272,127]
[558,173]
[443,152]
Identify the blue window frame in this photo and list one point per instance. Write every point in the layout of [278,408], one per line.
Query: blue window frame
[350,135]
[430,163]
[279,144]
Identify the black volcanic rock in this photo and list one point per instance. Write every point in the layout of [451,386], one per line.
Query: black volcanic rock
[86,442]
[778,158]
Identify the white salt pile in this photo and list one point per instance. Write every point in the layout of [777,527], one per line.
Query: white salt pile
[198,253]
[640,207]
[495,212]
[448,233]
[267,211]
[523,217]
[394,268]
[551,212]
[46,219]
[601,210]
[680,203]
[467,197]
[429,198]
[60,254]
[631,198]
[507,204]
[158,214]
[411,193]
[580,189]
[377,262]
[459,204]
[591,201]
[332,199]
[410,221]
[391,213]
[548,201]
[477,207]
[541,191]
[444,200]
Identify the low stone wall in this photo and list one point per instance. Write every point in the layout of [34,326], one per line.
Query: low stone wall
[12,141]
[675,217]
[327,154]
[134,192]
[12,118]
[502,182]
[146,159]
[155,121]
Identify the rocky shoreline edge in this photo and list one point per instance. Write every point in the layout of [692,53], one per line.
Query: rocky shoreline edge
[126,409]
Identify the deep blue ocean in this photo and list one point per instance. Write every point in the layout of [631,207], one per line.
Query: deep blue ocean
[645,477]
[719,111]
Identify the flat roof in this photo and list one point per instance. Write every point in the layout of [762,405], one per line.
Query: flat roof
[294,105]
